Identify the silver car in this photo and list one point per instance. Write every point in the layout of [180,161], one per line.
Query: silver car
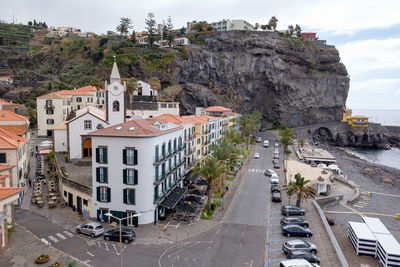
[93,229]
[299,244]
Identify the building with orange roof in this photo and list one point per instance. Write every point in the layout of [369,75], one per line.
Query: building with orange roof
[230,120]
[14,151]
[144,160]
[6,80]
[6,175]
[14,123]
[8,196]
[358,121]
[16,108]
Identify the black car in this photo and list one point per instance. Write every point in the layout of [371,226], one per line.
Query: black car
[298,254]
[275,188]
[296,230]
[292,210]
[294,221]
[276,197]
[113,235]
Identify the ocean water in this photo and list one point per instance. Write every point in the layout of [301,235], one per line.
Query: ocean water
[385,157]
[384,117]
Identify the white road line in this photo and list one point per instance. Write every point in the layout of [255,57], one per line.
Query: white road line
[87,252]
[358,206]
[123,248]
[68,234]
[61,236]
[116,249]
[99,244]
[106,246]
[176,227]
[47,243]
[241,238]
[52,238]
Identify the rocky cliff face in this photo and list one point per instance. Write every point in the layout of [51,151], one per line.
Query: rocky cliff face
[286,79]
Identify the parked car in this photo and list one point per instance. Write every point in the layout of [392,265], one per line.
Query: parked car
[258,140]
[276,197]
[270,173]
[294,221]
[266,143]
[276,156]
[113,235]
[292,210]
[274,180]
[256,155]
[296,230]
[298,254]
[297,263]
[298,244]
[93,229]
[276,144]
[275,188]
[276,164]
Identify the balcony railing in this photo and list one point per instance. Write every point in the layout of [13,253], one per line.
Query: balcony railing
[160,159]
[49,106]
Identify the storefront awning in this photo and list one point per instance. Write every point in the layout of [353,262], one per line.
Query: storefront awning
[190,177]
[173,199]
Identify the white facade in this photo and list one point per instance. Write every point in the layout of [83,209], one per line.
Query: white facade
[115,103]
[79,126]
[145,89]
[163,108]
[52,109]
[151,187]
[232,25]
[60,140]
[181,41]
[19,157]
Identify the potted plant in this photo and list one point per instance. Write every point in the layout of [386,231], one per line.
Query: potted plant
[56,264]
[43,258]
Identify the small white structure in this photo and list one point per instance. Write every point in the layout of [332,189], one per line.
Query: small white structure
[388,250]
[144,89]
[232,25]
[6,80]
[181,41]
[376,226]
[362,239]
[115,91]
[60,137]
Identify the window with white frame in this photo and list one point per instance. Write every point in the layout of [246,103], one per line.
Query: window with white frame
[103,194]
[87,124]
[50,121]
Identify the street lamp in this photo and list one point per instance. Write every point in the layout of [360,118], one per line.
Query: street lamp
[120,228]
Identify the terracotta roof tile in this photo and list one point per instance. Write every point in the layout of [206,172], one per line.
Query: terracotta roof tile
[89,88]
[15,129]
[53,95]
[9,140]
[4,176]
[217,109]
[4,167]
[74,92]
[3,102]
[170,118]
[7,115]
[6,192]
[358,117]
[133,128]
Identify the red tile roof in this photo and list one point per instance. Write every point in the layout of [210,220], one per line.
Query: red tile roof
[53,95]
[7,115]
[217,109]
[4,176]
[9,140]
[170,118]
[89,88]
[74,92]
[4,167]
[358,117]
[6,192]
[3,102]
[15,129]
[133,128]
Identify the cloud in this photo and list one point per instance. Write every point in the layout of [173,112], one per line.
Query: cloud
[365,56]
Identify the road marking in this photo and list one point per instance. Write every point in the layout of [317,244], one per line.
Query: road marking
[361,202]
[68,234]
[176,227]
[106,246]
[47,243]
[219,229]
[275,232]
[52,238]
[61,236]
[241,237]
[87,252]
[123,248]
[286,239]
[358,206]
[116,249]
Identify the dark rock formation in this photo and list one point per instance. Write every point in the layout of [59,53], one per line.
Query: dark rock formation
[286,79]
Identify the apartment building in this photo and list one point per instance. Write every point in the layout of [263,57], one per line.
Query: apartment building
[232,25]
[15,123]
[122,181]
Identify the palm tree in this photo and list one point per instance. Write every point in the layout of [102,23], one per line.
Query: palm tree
[300,188]
[155,83]
[250,124]
[225,153]
[211,170]
[131,85]
[301,142]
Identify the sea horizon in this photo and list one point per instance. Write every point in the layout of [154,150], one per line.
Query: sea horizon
[386,117]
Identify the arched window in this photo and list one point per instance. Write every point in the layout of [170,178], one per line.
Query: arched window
[115,106]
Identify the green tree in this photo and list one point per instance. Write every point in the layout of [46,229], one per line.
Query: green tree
[30,23]
[297,30]
[290,29]
[155,83]
[287,135]
[273,22]
[151,29]
[301,142]
[170,33]
[211,170]
[301,189]
[124,25]
[250,124]
[131,85]
[225,152]
[133,37]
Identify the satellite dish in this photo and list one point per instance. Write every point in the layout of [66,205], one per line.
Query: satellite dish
[99,126]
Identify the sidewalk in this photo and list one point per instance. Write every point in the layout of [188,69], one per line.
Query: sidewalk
[24,247]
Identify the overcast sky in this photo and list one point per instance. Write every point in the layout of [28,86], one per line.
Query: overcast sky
[366,32]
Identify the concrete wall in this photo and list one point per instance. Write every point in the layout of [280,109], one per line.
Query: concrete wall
[68,188]
[144,190]
[60,140]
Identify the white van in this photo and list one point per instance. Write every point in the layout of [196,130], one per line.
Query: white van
[266,143]
[297,263]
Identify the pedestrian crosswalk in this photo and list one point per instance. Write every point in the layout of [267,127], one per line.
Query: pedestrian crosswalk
[57,237]
[255,170]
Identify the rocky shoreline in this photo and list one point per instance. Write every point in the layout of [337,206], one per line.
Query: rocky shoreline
[368,175]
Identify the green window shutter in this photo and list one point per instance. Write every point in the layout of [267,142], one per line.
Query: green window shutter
[105,155]
[98,175]
[124,156]
[105,175]
[135,177]
[132,196]
[108,194]
[135,159]
[98,193]
[97,154]
[125,195]
[124,176]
